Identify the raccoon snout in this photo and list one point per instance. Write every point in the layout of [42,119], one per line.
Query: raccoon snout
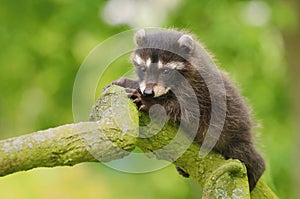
[149,92]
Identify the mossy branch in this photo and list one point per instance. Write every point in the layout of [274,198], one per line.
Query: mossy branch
[65,145]
[112,136]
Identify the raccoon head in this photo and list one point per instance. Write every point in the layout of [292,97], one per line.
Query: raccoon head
[159,59]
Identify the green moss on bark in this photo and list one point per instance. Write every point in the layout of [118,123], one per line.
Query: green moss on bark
[113,136]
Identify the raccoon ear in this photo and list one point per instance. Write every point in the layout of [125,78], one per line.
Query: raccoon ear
[139,37]
[186,42]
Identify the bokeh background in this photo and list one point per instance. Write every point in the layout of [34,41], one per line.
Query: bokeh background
[43,44]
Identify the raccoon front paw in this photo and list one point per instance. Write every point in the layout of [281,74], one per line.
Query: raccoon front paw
[136,96]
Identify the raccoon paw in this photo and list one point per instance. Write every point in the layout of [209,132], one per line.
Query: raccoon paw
[136,96]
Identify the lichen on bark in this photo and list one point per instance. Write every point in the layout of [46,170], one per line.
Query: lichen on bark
[113,135]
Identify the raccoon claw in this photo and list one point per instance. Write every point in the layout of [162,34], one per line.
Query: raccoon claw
[135,96]
[143,108]
[136,100]
[133,93]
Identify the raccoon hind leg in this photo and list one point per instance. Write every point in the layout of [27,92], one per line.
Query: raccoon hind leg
[246,153]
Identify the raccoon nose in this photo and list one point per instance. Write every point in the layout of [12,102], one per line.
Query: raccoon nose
[148,92]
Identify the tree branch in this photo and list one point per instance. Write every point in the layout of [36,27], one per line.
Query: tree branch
[113,136]
[61,146]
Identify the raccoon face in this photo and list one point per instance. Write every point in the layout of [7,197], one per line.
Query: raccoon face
[157,71]
[160,57]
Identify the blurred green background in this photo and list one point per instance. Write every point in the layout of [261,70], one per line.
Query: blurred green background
[43,44]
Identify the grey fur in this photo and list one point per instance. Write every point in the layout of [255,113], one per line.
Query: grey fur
[139,37]
[186,41]
[166,46]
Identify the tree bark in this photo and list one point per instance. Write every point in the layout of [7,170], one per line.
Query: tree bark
[108,139]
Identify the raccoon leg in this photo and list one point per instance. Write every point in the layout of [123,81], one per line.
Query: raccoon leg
[253,161]
[131,88]
[124,82]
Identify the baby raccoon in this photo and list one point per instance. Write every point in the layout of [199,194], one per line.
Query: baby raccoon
[166,63]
